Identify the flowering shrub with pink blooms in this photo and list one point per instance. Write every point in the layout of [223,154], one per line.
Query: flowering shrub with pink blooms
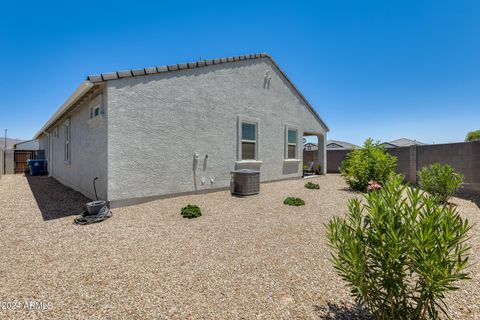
[373,185]
[370,163]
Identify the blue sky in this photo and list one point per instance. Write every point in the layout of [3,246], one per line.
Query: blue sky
[381,69]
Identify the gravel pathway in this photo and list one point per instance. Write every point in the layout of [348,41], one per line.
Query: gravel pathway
[251,258]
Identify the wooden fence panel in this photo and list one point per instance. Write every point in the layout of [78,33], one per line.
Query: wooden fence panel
[20,157]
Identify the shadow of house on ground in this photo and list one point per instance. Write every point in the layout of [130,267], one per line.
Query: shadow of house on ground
[54,199]
[342,311]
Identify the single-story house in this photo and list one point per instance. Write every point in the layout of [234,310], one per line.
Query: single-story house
[169,130]
[30,145]
[310,146]
[340,145]
[402,142]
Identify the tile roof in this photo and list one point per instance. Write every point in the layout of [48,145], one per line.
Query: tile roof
[403,142]
[94,80]
[343,145]
[173,67]
[199,64]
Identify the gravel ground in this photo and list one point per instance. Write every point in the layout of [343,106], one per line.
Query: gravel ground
[244,258]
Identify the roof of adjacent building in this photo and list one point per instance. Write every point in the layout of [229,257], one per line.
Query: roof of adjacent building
[310,146]
[337,144]
[34,145]
[93,80]
[402,142]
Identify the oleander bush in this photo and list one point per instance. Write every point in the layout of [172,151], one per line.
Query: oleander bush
[292,201]
[311,185]
[191,211]
[371,163]
[441,181]
[400,251]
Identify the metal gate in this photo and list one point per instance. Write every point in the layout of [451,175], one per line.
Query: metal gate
[20,158]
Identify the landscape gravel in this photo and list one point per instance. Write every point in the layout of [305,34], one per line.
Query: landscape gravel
[244,258]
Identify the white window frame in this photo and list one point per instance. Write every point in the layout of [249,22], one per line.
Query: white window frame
[255,142]
[96,104]
[242,120]
[67,152]
[290,128]
[93,109]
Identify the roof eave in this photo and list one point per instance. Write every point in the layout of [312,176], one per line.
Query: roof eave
[309,106]
[99,78]
[74,97]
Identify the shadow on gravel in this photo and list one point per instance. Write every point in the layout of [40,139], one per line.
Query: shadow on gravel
[333,311]
[54,199]
[470,197]
[349,190]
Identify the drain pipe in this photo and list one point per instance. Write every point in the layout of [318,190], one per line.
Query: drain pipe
[95,188]
[50,153]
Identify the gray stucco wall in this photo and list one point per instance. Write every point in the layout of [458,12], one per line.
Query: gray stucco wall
[156,123]
[88,150]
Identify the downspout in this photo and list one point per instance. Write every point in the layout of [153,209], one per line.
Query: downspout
[50,153]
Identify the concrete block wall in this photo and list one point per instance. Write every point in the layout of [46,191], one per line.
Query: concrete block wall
[463,156]
[9,162]
[335,159]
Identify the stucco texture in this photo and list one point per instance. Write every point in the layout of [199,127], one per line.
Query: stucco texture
[156,123]
[88,150]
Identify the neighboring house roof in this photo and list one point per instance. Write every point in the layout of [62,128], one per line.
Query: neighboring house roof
[310,146]
[27,145]
[402,142]
[93,80]
[337,144]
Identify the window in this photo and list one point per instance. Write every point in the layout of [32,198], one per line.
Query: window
[291,143]
[249,141]
[94,111]
[67,148]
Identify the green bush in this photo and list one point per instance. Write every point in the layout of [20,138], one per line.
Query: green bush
[400,257]
[371,162]
[191,211]
[311,185]
[292,201]
[440,181]
[473,135]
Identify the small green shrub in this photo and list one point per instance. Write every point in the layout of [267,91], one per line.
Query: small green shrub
[191,211]
[441,181]
[473,135]
[311,185]
[371,163]
[292,201]
[401,252]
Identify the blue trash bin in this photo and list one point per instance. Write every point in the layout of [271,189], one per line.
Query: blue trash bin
[35,166]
